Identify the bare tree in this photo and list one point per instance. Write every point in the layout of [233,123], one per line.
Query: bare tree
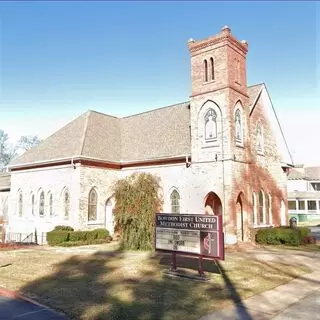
[7,153]
[27,142]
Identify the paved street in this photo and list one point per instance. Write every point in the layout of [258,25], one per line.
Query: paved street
[11,308]
[306,308]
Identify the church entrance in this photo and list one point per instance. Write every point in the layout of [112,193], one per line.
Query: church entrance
[240,219]
[109,221]
[212,204]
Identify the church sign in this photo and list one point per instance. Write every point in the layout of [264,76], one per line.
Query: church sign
[192,234]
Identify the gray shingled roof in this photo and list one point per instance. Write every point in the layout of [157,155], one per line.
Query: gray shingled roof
[295,175]
[162,133]
[5,181]
[312,173]
[253,92]
[309,173]
[159,133]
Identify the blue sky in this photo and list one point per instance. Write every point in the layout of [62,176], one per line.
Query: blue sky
[59,59]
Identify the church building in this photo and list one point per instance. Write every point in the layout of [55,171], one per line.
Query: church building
[221,152]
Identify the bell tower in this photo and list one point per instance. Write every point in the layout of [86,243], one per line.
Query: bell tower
[218,87]
[218,62]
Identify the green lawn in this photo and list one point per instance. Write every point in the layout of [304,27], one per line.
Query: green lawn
[109,284]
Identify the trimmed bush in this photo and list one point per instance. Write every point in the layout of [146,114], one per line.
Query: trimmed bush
[63,228]
[91,235]
[83,243]
[78,236]
[57,237]
[281,235]
[101,233]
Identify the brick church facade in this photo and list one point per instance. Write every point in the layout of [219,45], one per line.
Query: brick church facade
[221,152]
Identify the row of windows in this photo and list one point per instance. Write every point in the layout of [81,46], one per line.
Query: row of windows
[303,205]
[262,208]
[211,128]
[44,203]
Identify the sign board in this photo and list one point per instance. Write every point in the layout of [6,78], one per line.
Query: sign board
[192,234]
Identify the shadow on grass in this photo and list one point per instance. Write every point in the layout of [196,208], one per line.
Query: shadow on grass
[131,285]
[241,310]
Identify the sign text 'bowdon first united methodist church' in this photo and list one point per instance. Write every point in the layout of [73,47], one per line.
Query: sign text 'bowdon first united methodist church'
[192,234]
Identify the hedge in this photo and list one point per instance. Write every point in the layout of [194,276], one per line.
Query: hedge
[63,228]
[83,243]
[60,236]
[57,237]
[282,235]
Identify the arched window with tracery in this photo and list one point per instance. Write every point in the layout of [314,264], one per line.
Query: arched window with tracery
[238,126]
[41,204]
[66,204]
[175,201]
[50,204]
[261,207]
[210,119]
[92,205]
[20,203]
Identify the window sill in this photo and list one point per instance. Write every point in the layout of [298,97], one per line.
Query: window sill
[208,82]
[257,226]
[94,223]
[240,145]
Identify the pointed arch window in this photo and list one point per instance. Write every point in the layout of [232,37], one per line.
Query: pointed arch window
[50,205]
[212,68]
[66,204]
[41,204]
[261,207]
[259,138]
[238,126]
[175,201]
[210,125]
[92,205]
[238,71]
[254,206]
[32,204]
[205,70]
[20,203]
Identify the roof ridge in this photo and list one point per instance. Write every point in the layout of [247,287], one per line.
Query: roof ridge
[102,113]
[255,85]
[85,132]
[159,108]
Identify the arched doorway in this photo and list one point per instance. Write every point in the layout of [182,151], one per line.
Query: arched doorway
[109,220]
[283,220]
[212,204]
[240,218]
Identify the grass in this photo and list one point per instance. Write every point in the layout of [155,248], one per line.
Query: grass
[109,284]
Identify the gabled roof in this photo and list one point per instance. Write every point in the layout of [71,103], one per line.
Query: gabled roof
[5,181]
[312,173]
[86,135]
[155,134]
[159,133]
[260,92]
[295,175]
[254,93]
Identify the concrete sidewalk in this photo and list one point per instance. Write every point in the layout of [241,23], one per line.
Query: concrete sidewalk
[271,303]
